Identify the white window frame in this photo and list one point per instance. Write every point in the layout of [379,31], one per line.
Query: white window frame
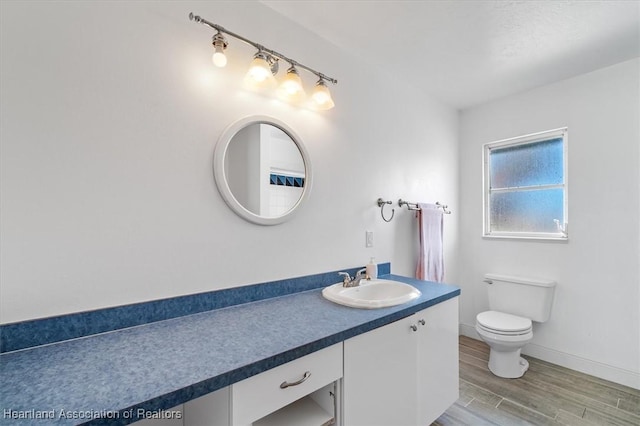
[563,231]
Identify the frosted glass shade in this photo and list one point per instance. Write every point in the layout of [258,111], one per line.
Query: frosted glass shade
[291,89]
[259,75]
[321,97]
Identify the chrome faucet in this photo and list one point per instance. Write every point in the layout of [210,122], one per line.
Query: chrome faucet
[347,281]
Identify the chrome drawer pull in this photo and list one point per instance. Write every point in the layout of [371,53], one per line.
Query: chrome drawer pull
[286,384]
[422,322]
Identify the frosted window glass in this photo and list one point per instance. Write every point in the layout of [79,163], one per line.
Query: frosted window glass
[538,163]
[527,211]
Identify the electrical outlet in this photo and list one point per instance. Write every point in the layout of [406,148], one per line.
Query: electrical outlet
[368,238]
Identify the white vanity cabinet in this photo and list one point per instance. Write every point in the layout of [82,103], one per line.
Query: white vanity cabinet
[401,374]
[404,373]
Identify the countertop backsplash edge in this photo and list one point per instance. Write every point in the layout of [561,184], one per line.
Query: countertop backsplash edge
[42,331]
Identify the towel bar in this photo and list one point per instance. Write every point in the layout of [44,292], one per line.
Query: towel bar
[414,206]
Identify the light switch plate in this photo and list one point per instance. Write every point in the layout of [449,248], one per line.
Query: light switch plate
[368,238]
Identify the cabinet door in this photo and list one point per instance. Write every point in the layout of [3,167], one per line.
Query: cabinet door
[437,360]
[379,385]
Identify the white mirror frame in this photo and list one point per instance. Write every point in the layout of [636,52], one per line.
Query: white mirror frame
[223,184]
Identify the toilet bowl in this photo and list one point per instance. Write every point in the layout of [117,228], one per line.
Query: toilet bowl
[506,335]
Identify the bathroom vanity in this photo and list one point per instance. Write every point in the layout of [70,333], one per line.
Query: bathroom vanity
[403,373]
[291,359]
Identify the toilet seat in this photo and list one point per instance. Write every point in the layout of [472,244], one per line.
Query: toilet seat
[503,324]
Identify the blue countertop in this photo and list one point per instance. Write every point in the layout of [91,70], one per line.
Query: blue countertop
[163,364]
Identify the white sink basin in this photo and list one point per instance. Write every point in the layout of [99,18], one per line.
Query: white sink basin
[371,294]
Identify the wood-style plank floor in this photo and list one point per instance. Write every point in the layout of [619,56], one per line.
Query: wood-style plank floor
[546,395]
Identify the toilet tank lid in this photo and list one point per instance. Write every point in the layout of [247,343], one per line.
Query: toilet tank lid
[520,280]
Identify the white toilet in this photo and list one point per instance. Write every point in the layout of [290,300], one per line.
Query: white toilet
[507,328]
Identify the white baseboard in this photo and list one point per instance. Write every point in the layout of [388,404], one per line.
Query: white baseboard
[469,331]
[587,366]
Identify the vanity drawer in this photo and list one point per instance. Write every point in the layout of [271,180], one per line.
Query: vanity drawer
[262,394]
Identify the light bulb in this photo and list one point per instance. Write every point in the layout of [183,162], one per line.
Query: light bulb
[219,44]
[321,97]
[291,87]
[219,58]
[259,75]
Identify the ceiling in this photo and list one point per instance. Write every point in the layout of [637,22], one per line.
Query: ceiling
[469,52]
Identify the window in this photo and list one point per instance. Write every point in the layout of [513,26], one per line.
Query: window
[525,189]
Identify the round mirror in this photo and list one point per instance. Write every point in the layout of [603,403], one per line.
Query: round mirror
[262,170]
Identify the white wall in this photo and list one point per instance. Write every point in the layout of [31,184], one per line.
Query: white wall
[595,324]
[110,114]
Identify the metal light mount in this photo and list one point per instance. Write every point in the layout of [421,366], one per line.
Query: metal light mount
[219,41]
[271,60]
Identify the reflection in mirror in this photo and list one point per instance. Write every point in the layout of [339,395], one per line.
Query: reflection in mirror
[262,170]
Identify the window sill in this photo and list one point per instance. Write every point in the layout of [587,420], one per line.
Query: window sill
[528,237]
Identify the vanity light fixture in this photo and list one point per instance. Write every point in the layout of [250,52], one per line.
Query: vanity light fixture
[264,67]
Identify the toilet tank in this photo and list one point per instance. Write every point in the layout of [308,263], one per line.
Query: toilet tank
[526,297]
